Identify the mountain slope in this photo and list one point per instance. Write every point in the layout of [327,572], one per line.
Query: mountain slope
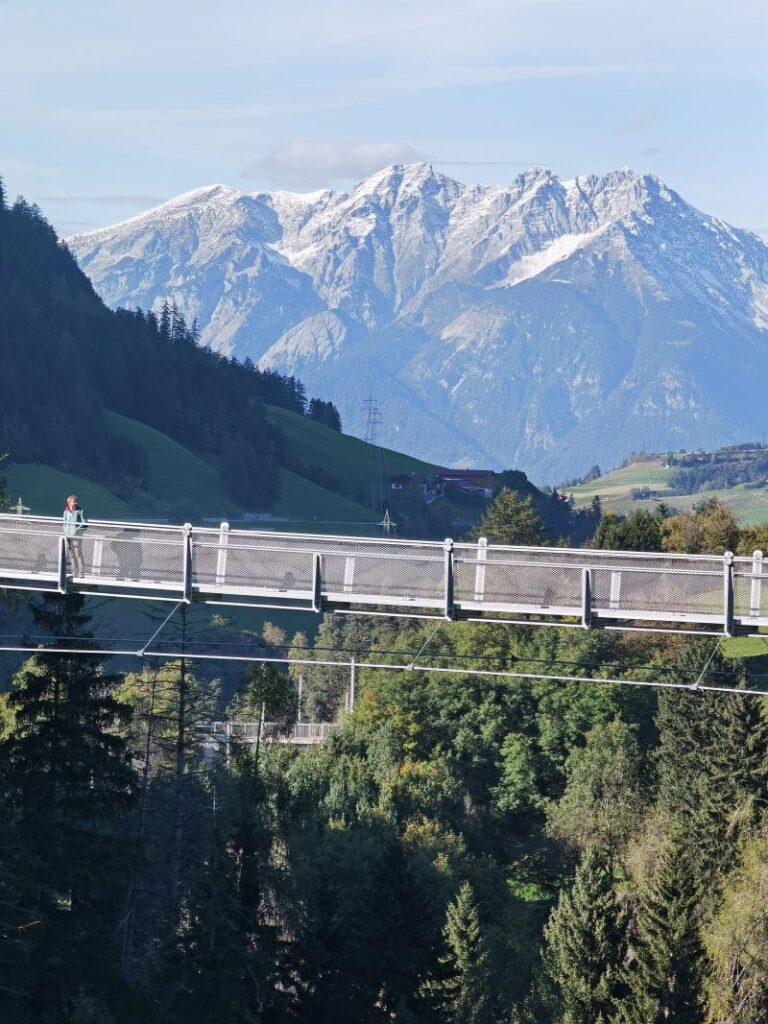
[547,323]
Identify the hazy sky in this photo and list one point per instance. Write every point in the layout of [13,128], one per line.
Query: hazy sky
[107,108]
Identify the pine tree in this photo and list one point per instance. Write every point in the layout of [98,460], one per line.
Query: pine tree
[510,519]
[739,766]
[65,782]
[462,993]
[165,321]
[665,984]
[712,759]
[586,944]
[224,964]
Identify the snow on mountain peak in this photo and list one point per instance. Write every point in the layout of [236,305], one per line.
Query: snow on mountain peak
[537,323]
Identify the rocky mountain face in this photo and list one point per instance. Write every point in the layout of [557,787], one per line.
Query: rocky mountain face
[546,324]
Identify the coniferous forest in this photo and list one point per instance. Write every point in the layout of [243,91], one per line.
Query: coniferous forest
[466,848]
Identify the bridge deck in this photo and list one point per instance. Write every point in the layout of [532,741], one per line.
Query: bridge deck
[299,734]
[451,580]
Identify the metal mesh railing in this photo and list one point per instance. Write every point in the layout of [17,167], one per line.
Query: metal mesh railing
[442,578]
[298,732]
[29,550]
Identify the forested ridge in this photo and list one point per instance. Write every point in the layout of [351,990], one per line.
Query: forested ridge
[468,848]
[66,358]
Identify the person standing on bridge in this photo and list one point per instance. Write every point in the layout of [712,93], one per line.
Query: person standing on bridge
[74,523]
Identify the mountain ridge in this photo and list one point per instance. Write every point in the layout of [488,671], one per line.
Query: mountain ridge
[544,323]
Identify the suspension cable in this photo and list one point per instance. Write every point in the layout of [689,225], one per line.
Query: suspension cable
[386,666]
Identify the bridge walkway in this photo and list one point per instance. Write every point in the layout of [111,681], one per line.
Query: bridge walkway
[443,580]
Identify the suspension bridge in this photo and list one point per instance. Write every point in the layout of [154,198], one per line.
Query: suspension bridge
[446,580]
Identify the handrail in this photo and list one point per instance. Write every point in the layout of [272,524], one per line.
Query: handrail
[450,580]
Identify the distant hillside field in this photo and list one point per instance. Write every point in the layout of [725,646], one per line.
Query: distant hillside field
[176,474]
[616,487]
[352,461]
[178,477]
[304,500]
[43,490]
[749,504]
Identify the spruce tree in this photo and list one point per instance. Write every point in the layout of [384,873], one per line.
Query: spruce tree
[712,761]
[510,519]
[165,321]
[665,984]
[65,783]
[224,964]
[462,993]
[586,944]
[740,751]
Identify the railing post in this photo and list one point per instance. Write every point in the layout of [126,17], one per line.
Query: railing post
[482,556]
[614,601]
[301,692]
[349,574]
[221,557]
[98,555]
[187,573]
[317,583]
[352,684]
[450,611]
[728,593]
[62,565]
[586,598]
[755,594]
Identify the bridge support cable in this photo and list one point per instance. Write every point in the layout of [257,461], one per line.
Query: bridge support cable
[389,667]
[412,663]
[712,653]
[142,651]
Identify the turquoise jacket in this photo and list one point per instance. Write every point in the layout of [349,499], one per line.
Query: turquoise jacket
[74,521]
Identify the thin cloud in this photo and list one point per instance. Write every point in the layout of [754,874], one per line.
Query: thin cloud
[305,163]
[494,163]
[640,123]
[116,200]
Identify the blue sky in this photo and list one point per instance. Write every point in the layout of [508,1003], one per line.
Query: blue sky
[107,108]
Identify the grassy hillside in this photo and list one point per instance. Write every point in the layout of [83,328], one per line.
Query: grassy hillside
[615,487]
[176,474]
[43,489]
[353,462]
[178,478]
[750,505]
[304,500]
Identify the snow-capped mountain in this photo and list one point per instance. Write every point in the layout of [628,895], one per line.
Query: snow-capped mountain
[545,325]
